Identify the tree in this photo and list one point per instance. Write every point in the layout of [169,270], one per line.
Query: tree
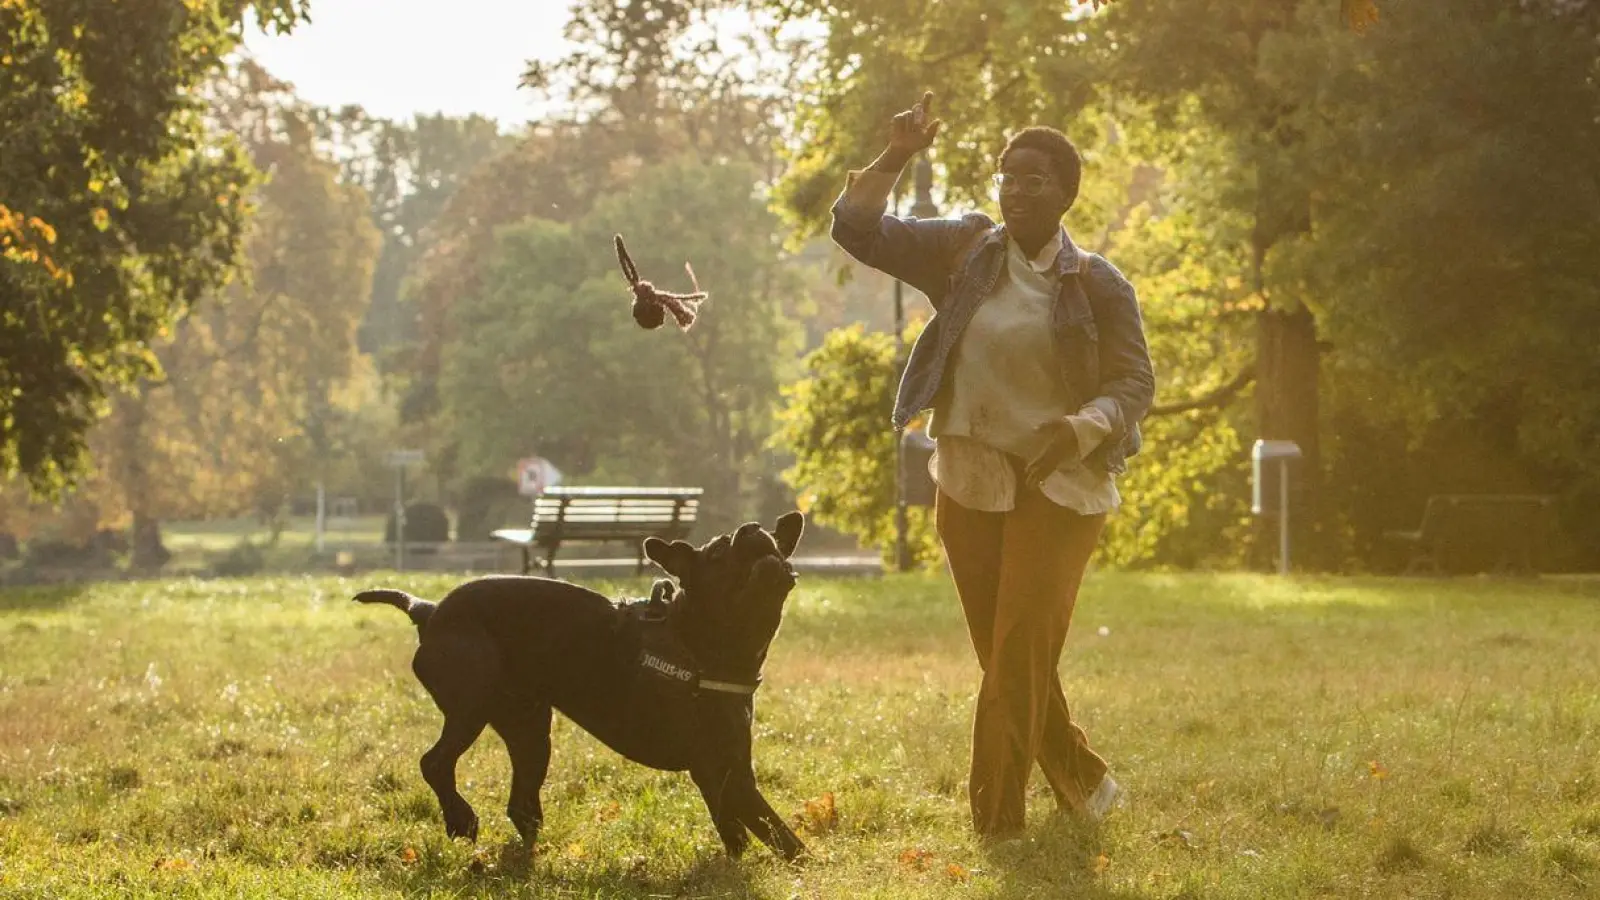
[610,125]
[409,170]
[832,425]
[121,207]
[549,337]
[1342,176]
[1453,259]
[248,402]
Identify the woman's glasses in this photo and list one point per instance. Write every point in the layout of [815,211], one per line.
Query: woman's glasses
[1026,185]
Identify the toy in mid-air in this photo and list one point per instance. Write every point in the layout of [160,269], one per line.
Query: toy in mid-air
[651,304]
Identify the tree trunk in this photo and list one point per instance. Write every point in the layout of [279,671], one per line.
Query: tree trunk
[1288,361]
[149,554]
[146,551]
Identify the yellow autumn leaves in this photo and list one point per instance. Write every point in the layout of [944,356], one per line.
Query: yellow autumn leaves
[23,239]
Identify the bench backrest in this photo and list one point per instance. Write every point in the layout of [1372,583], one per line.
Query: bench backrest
[1487,522]
[600,513]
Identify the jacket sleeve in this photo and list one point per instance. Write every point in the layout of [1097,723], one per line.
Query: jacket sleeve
[1127,378]
[920,252]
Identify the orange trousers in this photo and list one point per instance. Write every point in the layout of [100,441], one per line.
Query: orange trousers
[1017,574]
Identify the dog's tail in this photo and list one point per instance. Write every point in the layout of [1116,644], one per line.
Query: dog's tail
[418,609]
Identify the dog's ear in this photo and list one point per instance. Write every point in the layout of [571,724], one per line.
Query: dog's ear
[674,558]
[790,526]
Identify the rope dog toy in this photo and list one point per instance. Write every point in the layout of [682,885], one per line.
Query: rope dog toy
[651,304]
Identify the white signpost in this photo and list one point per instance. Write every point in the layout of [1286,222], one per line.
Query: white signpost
[398,460]
[1264,455]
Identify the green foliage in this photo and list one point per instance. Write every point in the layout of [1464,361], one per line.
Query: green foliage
[1187,492]
[644,84]
[410,171]
[992,70]
[487,502]
[835,424]
[548,336]
[1428,204]
[255,399]
[121,206]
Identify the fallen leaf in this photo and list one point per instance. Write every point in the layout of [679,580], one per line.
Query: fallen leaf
[915,859]
[171,865]
[1101,864]
[609,812]
[575,850]
[820,816]
[956,873]
[1359,14]
[1377,769]
[408,855]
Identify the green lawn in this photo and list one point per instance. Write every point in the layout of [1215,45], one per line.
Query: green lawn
[1278,738]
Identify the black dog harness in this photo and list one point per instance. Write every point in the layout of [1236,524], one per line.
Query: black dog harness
[663,658]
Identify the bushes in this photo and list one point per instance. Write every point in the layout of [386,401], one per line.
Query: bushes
[243,558]
[426,523]
[488,502]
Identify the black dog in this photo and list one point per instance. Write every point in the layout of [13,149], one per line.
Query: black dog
[668,683]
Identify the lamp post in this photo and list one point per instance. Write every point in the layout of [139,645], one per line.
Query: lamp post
[921,208]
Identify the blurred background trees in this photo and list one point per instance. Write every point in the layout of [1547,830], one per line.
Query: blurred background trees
[1380,245]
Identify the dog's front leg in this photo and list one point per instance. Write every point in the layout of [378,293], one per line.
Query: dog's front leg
[716,787]
[758,815]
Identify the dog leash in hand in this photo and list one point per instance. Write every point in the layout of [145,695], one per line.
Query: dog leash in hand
[651,304]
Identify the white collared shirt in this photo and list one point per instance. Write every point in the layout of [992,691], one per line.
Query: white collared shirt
[1002,387]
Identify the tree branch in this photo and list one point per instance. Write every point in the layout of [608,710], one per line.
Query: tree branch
[1219,397]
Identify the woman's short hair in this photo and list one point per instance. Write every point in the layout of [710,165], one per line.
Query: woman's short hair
[1064,158]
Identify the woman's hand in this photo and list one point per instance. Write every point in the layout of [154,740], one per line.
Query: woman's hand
[1062,445]
[910,133]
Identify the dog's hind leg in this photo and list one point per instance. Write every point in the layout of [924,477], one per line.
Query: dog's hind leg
[527,737]
[461,671]
[439,770]
[716,787]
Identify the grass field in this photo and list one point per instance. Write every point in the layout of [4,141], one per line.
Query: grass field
[221,534]
[1277,738]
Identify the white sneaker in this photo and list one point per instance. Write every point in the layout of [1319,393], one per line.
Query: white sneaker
[1103,799]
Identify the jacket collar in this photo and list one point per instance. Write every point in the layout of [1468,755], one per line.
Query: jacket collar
[1066,258]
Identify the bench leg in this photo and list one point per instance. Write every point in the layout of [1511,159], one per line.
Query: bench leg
[550,561]
[527,559]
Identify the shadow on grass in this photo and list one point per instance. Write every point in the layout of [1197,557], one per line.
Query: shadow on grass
[33,599]
[510,871]
[1059,858]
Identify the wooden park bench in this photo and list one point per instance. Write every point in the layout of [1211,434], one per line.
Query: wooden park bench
[566,515]
[1480,533]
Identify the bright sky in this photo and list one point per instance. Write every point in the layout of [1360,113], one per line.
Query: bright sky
[398,58]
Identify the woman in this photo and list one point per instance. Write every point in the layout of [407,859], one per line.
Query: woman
[1036,369]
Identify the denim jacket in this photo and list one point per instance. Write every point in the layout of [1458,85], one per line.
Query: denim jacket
[1097,330]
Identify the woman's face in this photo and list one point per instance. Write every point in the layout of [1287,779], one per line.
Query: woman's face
[1026,214]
